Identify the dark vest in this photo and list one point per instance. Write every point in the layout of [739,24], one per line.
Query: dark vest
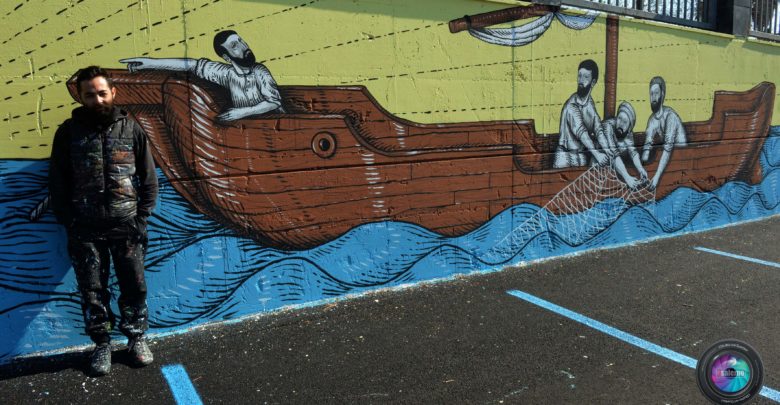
[102,160]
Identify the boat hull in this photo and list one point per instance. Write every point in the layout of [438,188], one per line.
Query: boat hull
[337,160]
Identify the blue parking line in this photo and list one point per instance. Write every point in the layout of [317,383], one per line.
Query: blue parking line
[739,257]
[770,393]
[183,391]
[626,337]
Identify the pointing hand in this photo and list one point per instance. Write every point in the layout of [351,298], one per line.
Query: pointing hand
[135,64]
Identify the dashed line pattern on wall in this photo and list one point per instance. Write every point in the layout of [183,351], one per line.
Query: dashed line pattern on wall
[203,34]
[8,118]
[506,107]
[30,28]
[370,38]
[80,53]
[72,32]
[18,6]
[639,48]
[470,66]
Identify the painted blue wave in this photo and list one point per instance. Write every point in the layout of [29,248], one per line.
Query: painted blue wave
[199,272]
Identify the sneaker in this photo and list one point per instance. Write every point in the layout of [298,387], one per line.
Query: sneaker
[139,351]
[100,362]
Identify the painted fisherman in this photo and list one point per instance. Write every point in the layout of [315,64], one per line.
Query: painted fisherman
[579,123]
[253,90]
[664,124]
[616,138]
[103,188]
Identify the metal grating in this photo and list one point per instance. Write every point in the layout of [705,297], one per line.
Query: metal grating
[691,10]
[765,18]
[692,13]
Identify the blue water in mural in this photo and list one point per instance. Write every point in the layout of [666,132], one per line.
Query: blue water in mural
[199,272]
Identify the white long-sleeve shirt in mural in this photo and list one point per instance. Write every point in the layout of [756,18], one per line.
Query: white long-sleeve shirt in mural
[577,120]
[667,125]
[246,90]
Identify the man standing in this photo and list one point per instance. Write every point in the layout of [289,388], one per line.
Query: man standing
[663,123]
[579,122]
[103,188]
[252,88]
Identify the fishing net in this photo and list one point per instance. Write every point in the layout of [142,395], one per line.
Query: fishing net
[586,206]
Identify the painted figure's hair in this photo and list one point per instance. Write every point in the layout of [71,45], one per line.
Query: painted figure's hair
[590,65]
[628,109]
[660,82]
[220,39]
[91,72]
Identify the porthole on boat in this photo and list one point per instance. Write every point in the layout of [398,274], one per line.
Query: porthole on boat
[324,145]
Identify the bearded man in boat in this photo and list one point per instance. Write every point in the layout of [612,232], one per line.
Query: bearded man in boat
[103,187]
[664,123]
[616,137]
[580,122]
[252,89]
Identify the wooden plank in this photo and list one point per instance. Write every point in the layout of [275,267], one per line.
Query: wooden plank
[419,189]
[465,166]
[486,194]
[354,212]
[332,178]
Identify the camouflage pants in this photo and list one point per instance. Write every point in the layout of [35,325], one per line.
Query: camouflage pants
[90,252]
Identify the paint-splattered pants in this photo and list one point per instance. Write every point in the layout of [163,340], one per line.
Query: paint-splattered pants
[90,252]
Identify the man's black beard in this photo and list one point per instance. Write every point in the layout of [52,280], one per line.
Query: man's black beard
[619,132]
[247,61]
[655,106]
[101,114]
[583,91]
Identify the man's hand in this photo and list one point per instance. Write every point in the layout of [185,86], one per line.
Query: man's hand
[633,183]
[135,64]
[642,174]
[229,115]
[654,183]
[601,158]
[140,223]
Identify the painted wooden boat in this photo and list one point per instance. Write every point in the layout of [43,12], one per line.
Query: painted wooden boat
[337,159]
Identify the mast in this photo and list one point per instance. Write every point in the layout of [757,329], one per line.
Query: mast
[610,73]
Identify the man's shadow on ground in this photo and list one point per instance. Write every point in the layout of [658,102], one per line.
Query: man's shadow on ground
[78,361]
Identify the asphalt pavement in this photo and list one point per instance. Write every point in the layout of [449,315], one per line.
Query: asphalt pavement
[468,339]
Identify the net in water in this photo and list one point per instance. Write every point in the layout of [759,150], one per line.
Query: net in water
[586,206]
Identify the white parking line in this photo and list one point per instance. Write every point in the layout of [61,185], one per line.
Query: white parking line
[739,257]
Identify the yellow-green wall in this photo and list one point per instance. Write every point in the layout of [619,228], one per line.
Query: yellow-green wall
[401,50]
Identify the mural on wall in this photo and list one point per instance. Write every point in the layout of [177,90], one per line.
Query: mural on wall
[277,194]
